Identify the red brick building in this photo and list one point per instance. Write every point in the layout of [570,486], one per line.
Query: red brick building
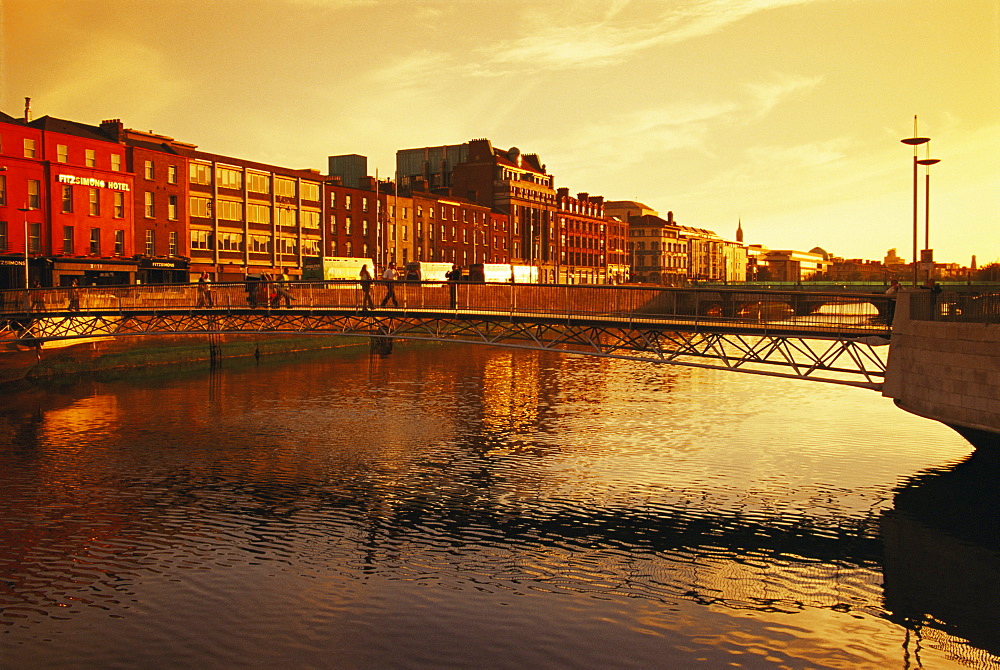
[67,184]
[591,247]
[159,201]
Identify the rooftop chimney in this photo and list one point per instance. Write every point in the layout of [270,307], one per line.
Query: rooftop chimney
[27,110]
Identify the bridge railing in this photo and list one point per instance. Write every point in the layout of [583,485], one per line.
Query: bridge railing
[952,306]
[830,311]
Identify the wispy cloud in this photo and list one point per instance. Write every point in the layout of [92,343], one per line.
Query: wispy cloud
[622,31]
[768,95]
[633,137]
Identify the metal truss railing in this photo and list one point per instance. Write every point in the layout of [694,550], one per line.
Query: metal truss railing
[854,361]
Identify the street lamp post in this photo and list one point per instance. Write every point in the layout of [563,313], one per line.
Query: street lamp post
[25,210]
[927,163]
[915,142]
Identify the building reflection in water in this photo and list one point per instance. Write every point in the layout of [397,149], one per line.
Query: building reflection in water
[942,554]
[510,471]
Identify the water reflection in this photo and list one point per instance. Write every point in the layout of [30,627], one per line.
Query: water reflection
[942,552]
[597,512]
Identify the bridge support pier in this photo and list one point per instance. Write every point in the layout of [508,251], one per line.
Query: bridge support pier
[380,345]
[946,371]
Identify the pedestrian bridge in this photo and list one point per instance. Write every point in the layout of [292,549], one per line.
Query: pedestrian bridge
[832,337]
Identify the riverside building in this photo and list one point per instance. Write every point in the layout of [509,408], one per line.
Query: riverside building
[524,220]
[66,206]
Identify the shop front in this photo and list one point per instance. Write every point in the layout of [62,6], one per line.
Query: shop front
[162,271]
[12,272]
[86,272]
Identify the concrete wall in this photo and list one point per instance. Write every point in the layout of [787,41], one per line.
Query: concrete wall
[946,371]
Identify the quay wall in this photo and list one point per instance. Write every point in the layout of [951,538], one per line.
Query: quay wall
[18,362]
[946,371]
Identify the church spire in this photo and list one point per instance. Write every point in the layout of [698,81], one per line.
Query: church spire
[739,231]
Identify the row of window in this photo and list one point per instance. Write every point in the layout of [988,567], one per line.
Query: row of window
[257,182]
[69,239]
[679,248]
[228,241]
[232,210]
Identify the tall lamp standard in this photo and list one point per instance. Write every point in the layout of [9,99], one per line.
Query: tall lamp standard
[25,210]
[928,254]
[915,142]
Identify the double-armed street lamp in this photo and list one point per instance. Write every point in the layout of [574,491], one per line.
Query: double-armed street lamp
[915,142]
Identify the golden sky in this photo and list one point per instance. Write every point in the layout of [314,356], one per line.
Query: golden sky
[785,114]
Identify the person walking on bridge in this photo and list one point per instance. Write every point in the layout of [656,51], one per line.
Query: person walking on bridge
[453,276]
[74,296]
[389,277]
[366,289]
[204,290]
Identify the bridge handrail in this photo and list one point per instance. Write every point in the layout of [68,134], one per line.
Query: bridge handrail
[957,307]
[821,311]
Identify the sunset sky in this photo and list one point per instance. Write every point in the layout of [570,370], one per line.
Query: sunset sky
[785,114]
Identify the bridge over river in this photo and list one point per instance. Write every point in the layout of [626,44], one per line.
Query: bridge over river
[837,337]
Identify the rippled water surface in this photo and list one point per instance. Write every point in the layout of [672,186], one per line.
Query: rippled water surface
[459,506]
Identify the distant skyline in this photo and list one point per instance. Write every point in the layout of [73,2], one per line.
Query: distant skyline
[786,115]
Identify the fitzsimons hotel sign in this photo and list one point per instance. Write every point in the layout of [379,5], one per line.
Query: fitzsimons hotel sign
[92,181]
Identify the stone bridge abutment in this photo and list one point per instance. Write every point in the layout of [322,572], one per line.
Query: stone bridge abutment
[948,371]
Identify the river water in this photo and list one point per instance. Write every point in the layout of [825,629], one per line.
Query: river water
[473,507]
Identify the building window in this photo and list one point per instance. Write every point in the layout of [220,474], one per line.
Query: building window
[348,226]
[258,213]
[228,178]
[201,207]
[91,158]
[172,174]
[67,199]
[201,239]
[333,225]
[150,208]
[333,200]
[172,207]
[119,205]
[62,153]
[364,228]
[364,204]
[3,189]
[149,169]
[34,193]
[95,241]
[310,191]
[150,243]
[173,242]
[35,238]
[258,182]
[310,219]
[29,148]
[116,162]
[3,236]
[260,244]
[119,243]
[347,201]
[287,217]
[230,210]
[284,187]
[95,202]
[201,173]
